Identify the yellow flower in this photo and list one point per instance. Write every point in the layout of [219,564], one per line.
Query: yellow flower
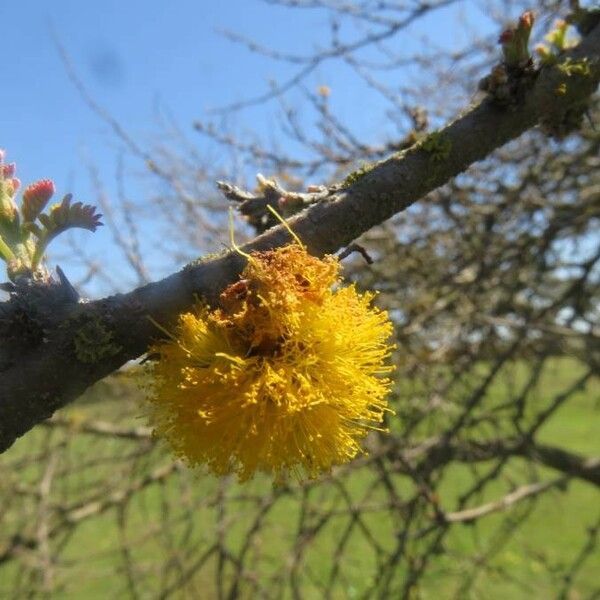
[286,376]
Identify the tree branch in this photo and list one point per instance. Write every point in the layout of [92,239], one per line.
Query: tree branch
[522,493]
[56,370]
[434,453]
[567,462]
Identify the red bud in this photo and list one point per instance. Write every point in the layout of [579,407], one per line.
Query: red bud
[40,191]
[526,19]
[506,36]
[35,198]
[8,170]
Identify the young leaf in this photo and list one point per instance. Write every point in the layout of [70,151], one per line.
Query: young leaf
[65,216]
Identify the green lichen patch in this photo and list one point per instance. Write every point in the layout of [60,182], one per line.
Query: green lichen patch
[93,341]
[206,258]
[561,89]
[357,175]
[575,68]
[438,145]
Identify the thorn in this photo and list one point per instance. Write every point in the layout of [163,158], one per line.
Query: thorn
[72,295]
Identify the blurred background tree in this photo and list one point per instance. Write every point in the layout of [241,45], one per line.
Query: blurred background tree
[487,486]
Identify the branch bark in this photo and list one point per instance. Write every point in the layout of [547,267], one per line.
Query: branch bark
[36,383]
[522,493]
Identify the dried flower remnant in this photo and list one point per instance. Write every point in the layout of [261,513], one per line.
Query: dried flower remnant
[286,376]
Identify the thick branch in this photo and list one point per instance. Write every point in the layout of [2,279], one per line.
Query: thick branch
[569,463]
[53,373]
[434,453]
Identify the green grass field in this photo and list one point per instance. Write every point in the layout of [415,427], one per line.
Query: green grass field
[162,540]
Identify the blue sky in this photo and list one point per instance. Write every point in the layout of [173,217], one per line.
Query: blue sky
[142,59]
[134,57]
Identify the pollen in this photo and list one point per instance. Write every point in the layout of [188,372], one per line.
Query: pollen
[286,376]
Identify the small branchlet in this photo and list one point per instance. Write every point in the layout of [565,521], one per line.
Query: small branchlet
[254,205]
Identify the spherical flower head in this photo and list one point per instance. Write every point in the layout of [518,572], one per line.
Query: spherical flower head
[287,376]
